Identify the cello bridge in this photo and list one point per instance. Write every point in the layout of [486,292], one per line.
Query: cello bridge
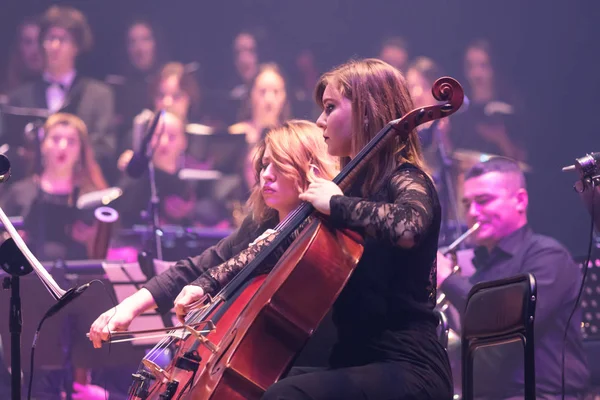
[199,334]
[158,372]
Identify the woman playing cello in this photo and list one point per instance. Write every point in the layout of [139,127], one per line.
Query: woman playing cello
[387,346]
[283,163]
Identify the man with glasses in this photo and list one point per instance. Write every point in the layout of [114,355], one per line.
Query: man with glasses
[64,35]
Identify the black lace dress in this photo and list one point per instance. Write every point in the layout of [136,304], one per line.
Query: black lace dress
[385,312]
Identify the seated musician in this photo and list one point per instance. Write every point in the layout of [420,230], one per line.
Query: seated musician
[282,164]
[267,105]
[180,201]
[387,344]
[65,35]
[495,195]
[46,200]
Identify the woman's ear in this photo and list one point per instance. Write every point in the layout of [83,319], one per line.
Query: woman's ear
[313,172]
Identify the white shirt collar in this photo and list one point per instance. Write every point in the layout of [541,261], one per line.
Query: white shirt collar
[66,80]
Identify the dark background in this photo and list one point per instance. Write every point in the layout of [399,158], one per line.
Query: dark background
[547,51]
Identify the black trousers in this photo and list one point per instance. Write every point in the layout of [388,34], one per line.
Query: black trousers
[377,381]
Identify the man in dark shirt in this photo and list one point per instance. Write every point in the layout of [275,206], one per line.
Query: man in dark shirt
[495,195]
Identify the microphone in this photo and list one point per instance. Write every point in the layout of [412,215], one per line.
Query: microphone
[586,165]
[68,297]
[140,159]
[4,168]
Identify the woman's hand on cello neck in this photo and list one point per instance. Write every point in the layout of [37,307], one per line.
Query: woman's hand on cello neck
[319,194]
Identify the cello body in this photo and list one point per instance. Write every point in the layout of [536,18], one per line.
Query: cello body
[260,332]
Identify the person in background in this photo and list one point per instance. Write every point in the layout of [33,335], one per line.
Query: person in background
[46,200]
[267,105]
[437,147]
[286,161]
[64,35]
[394,51]
[245,58]
[181,202]
[495,195]
[145,56]
[176,91]
[306,77]
[25,62]
[420,76]
[491,125]
[387,345]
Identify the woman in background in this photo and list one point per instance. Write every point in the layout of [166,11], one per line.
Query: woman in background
[145,55]
[492,123]
[387,345]
[267,105]
[46,200]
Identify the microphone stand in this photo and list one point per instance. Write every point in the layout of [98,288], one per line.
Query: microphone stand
[141,160]
[446,166]
[155,211]
[17,261]
[15,322]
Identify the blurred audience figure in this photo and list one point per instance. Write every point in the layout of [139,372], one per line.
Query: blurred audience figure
[420,76]
[491,124]
[176,91]
[229,98]
[437,146]
[25,61]
[145,55]
[303,86]
[245,59]
[53,226]
[182,202]
[65,34]
[394,51]
[267,105]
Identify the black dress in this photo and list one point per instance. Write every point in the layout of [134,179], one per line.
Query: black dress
[47,218]
[387,344]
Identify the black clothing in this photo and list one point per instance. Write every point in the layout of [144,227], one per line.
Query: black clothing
[47,219]
[385,312]
[500,370]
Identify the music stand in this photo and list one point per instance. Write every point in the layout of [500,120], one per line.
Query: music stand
[224,151]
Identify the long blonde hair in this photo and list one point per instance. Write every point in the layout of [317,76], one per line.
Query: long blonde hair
[87,174]
[296,148]
[378,94]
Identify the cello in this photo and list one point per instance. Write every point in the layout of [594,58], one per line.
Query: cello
[245,338]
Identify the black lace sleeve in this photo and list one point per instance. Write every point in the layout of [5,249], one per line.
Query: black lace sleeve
[213,279]
[402,222]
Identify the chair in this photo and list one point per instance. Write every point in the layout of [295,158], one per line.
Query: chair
[443,327]
[499,312]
